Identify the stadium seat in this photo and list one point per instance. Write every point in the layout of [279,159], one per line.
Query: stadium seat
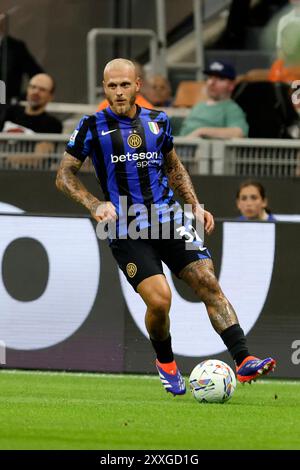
[256,75]
[189,92]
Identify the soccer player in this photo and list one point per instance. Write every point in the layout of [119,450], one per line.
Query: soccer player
[134,157]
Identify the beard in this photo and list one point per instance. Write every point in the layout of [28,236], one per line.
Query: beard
[34,105]
[122,108]
[218,96]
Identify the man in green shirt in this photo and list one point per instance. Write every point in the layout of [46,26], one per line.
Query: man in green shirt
[219,116]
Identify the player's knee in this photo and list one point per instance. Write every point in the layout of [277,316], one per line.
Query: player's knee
[207,285]
[160,302]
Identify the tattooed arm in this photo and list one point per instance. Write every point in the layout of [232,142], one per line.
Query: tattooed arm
[181,183]
[70,184]
[179,179]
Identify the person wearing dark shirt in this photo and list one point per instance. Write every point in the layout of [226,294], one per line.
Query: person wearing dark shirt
[134,157]
[33,117]
[252,202]
[15,62]
[41,123]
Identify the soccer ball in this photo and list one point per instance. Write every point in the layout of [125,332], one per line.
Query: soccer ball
[212,381]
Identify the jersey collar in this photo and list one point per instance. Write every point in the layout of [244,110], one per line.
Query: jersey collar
[124,118]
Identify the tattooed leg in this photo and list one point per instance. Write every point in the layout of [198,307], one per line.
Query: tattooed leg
[200,276]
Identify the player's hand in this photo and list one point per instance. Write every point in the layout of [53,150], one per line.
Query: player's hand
[104,212]
[209,223]
[205,217]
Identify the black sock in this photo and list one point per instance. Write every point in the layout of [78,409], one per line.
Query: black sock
[163,350]
[236,343]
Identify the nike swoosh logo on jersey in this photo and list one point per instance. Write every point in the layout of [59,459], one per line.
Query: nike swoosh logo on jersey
[108,132]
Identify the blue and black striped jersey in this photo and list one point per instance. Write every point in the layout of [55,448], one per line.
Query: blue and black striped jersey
[128,155]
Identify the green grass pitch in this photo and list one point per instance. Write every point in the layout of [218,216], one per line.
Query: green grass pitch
[41,410]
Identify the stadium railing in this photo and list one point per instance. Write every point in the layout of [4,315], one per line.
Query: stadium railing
[44,152]
[31,151]
[256,157]
[77,108]
[239,157]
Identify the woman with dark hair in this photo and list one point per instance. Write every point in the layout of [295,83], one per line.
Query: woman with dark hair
[252,202]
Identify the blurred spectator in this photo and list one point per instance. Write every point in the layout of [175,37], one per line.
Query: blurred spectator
[33,117]
[252,202]
[15,63]
[286,67]
[288,35]
[158,91]
[219,116]
[234,34]
[30,119]
[140,98]
[242,15]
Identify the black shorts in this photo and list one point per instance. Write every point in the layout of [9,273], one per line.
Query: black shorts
[139,259]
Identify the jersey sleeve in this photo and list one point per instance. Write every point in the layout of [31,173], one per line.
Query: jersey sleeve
[236,117]
[168,141]
[80,142]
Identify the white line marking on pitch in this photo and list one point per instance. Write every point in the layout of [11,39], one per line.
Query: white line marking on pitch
[98,375]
